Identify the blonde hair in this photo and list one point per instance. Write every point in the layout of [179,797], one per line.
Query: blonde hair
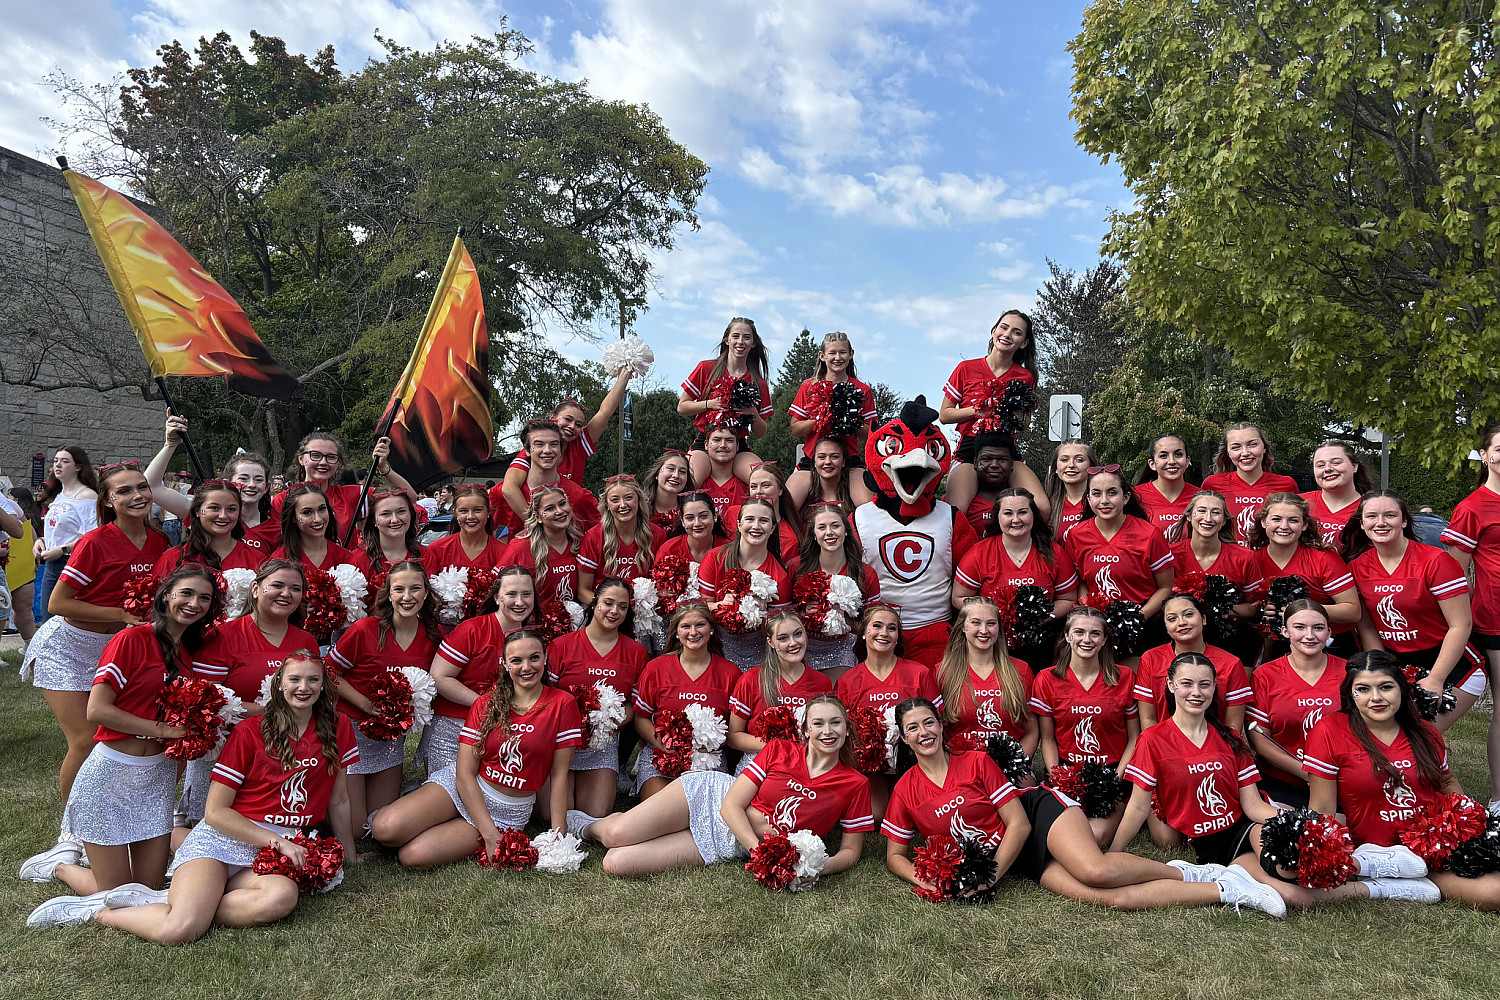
[536,532]
[771,668]
[953,670]
[641,536]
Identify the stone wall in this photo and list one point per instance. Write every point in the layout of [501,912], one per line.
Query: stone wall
[57,295]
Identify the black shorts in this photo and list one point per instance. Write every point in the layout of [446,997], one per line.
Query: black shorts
[1223,847]
[1284,792]
[700,443]
[1483,641]
[1043,807]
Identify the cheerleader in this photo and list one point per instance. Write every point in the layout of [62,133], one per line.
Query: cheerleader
[1085,706]
[390,532]
[1290,695]
[720,482]
[577,432]
[1038,834]
[624,543]
[1342,479]
[692,671]
[767,483]
[668,479]
[985,690]
[1119,555]
[1067,484]
[120,805]
[705,817]
[783,678]
[1285,540]
[69,500]
[1201,776]
[468,659]
[596,655]
[214,533]
[401,631]
[249,472]
[832,479]
[1416,601]
[749,551]
[1011,358]
[697,531]
[995,458]
[831,548]
[1162,488]
[809,411]
[1376,762]
[1204,537]
[301,742]
[882,679]
[543,442]
[1243,476]
[309,531]
[468,543]
[320,458]
[548,548]
[1184,621]
[86,604]
[741,358]
[519,735]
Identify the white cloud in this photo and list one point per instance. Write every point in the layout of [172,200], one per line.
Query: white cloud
[76,36]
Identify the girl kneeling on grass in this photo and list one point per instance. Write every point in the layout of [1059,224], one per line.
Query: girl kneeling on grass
[518,736]
[705,817]
[301,742]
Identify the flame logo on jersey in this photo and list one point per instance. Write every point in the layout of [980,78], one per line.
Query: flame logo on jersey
[988,717]
[1104,582]
[960,831]
[1399,796]
[784,816]
[563,589]
[294,792]
[1393,619]
[509,754]
[1210,801]
[1083,736]
[1244,521]
[1312,719]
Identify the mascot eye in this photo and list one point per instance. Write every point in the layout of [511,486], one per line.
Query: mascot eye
[937,449]
[888,446]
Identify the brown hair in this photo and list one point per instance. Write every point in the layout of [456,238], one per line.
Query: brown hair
[729,552]
[231,469]
[685,608]
[1211,711]
[194,635]
[1485,440]
[1310,538]
[839,337]
[846,752]
[1180,527]
[371,530]
[1222,461]
[1109,671]
[1026,356]
[492,600]
[808,553]
[270,568]
[1424,745]
[383,611]
[291,537]
[197,545]
[1352,538]
[1041,527]
[278,726]
[472,490]
[1053,486]
[503,695]
[756,362]
[52,486]
[861,648]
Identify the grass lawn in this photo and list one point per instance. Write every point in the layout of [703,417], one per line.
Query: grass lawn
[467,932]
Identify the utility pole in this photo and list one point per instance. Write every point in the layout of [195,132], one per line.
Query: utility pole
[625,414]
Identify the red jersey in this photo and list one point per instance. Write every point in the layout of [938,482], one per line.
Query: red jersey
[1072,514]
[241,556]
[731,493]
[664,686]
[1197,788]
[1324,573]
[700,381]
[448,553]
[133,666]
[1475,529]
[1231,686]
[792,799]
[1234,562]
[519,760]
[240,657]
[573,659]
[265,537]
[1286,707]
[1123,567]
[359,658]
[966,806]
[978,515]
[987,568]
[803,408]
[909,679]
[746,701]
[1403,604]
[981,706]
[474,647]
[1330,522]
[336,555]
[341,503]
[788,545]
[712,568]
[104,560]
[1377,807]
[574,454]
[1246,499]
[585,505]
[266,792]
[591,554]
[1090,723]
[678,545]
[970,383]
[559,583]
[1163,512]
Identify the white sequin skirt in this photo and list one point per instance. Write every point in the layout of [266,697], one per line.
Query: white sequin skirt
[439,746]
[120,799]
[508,812]
[745,650]
[830,654]
[62,657]
[378,755]
[705,791]
[203,841]
[606,758]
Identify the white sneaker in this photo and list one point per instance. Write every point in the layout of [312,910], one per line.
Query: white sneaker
[1494,807]
[577,821]
[66,911]
[1389,862]
[133,894]
[64,837]
[1237,888]
[1411,890]
[43,867]
[1197,873]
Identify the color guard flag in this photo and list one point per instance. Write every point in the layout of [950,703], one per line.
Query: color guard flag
[439,415]
[186,322]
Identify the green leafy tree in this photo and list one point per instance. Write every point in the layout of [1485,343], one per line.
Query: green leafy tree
[656,426]
[1314,186]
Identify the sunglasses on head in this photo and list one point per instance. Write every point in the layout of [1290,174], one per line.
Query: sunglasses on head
[134,465]
[1097,470]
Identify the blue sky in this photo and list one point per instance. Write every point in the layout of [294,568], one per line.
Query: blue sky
[897,169]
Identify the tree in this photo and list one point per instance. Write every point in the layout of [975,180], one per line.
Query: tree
[887,403]
[1315,188]
[656,427]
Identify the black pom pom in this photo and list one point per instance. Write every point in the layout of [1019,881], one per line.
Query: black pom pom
[1428,705]
[1007,753]
[1220,595]
[1283,591]
[744,395]
[976,869]
[1279,838]
[846,409]
[1480,855]
[1018,398]
[1103,789]
[1034,623]
[1127,625]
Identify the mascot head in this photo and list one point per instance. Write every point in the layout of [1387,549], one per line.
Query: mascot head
[906,459]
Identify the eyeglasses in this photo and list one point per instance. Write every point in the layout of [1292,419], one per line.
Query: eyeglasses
[134,464]
[1099,470]
[318,456]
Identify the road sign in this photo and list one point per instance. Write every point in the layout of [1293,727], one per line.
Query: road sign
[1064,417]
[627,422]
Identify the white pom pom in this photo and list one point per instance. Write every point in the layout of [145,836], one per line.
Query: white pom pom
[834,624]
[892,736]
[631,354]
[451,585]
[763,587]
[607,718]
[264,697]
[812,855]
[692,582]
[709,728]
[647,620]
[237,592]
[423,690]
[558,853]
[753,611]
[333,883]
[844,595]
[575,614]
[352,587]
[706,761]
[800,714]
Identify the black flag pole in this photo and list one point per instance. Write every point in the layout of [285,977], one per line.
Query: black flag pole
[197,463]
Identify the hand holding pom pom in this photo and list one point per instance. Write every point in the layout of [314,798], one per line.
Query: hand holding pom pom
[322,866]
[775,723]
[391,711]
[195,706]
[1314,848]
[631,354]
[513,851]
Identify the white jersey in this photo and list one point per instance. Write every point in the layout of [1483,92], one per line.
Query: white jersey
[914,562]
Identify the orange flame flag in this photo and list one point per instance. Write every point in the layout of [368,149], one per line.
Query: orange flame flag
[439,415]
[186,322]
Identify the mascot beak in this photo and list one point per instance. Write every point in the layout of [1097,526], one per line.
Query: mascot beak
[910,472]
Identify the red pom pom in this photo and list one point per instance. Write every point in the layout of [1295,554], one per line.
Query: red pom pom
[670,574]
[675,734]
[734,584]
[192,704]
[934,863]
[324,860]
[480,582]
[867,729]
[1193,582]
[1436,830]
[553,621]
[392,714]
[1325,854]
[137,594]
[774,861]
[959,742]
[322,605]
[779,722]
[588,701]
[1068,779]
[512,851]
